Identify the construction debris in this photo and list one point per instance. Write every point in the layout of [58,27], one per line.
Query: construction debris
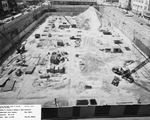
[73,59]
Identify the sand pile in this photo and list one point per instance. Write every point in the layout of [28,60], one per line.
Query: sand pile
[89,19]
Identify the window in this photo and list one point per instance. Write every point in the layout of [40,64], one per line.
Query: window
[146,2]
[3,5]
[145,8]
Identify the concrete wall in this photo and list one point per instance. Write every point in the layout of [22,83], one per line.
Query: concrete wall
[96,111]
[68,8]
[12,32]
[59,13]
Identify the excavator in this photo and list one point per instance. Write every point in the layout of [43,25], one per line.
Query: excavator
[126,74]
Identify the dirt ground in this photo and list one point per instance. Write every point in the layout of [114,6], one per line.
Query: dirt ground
[88,66]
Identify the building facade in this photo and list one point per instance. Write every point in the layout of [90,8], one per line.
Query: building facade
[4,7]
[140,6]
[126,4]
[146,12]
[12,5]
[7,7]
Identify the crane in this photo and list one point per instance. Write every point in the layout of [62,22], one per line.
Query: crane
[140,66]
[126,74]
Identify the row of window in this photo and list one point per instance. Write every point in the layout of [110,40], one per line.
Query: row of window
[142,1]
[5,5]
[139,6]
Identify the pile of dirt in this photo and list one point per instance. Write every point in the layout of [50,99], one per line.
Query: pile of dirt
[83,23]
[89,20]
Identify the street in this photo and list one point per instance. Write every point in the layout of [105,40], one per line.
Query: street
[135,18]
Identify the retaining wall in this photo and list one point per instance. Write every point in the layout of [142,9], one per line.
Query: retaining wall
[96,111]
[12,32]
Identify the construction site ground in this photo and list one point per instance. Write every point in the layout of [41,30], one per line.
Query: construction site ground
[88,63]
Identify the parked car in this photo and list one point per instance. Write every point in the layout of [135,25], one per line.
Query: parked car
[129,15]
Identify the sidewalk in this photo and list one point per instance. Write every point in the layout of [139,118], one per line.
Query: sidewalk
[141,20]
